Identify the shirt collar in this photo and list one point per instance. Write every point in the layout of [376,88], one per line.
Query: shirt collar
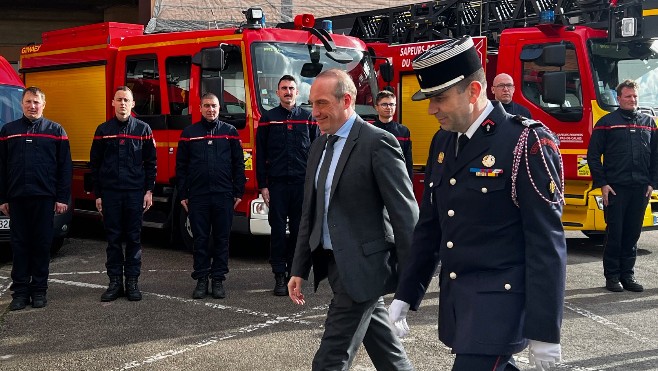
[474,126]
[344,130]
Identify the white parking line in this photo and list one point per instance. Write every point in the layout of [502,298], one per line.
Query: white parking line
[608,323]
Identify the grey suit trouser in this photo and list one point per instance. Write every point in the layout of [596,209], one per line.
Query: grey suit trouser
[349,324]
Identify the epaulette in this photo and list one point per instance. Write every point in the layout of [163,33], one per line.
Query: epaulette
[530,123]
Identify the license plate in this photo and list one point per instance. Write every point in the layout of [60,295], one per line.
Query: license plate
[4,223]
[655,220]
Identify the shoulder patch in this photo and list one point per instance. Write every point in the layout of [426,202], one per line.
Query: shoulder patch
[527,122]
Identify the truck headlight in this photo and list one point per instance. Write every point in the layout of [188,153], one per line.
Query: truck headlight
[259,209]
[599,202]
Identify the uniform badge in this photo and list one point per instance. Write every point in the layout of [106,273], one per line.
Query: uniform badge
[488,160]
[441,156]
[488,125]
[551,188]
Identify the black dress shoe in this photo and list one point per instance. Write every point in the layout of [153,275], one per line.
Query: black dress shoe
[19,303]
[613,284]
[39,300]
[631,284]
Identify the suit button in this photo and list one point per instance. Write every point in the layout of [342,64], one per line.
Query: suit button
[431,184]
[451,212]
[453,181]
[453,275]
[450,244]
[484,190]
[508,286]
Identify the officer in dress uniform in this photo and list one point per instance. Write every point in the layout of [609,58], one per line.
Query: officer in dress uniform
[490,213]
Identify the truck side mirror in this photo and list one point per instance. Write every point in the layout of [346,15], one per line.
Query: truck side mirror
[213,85]
[554,55]
[555,87]
[211,59]
[386,71]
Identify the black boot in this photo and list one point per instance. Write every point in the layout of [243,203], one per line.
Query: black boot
[39,300]
[19,302]
[132,291]
[218,291]
[201,289]
[114,290]
[280,287]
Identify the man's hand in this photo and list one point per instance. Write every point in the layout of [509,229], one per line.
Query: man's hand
[266,196]
[649,190]
[397,317]
[5,208]
[99,205]
[544,355]
[236,201]
[60,208]
[295,290]
[148,201]
[184,204]
[605,190]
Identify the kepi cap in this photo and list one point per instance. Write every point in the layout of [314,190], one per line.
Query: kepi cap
[443,66]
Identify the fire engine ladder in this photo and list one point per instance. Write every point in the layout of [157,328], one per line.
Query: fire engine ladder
[440,19]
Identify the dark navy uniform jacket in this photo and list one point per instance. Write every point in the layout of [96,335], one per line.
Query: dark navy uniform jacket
[403,136]
[35,160]
[628,140]
[283,140]
[122,156]
[210,160]
[503,267]
[516,109]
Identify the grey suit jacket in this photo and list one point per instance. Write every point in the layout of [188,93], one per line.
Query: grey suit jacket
[371,215]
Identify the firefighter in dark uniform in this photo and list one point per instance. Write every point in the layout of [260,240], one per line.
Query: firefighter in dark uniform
[283,140]
[385,107]
[35,183]
[123,169]
[503,91]
[628,173]
[490,214]
[210,174]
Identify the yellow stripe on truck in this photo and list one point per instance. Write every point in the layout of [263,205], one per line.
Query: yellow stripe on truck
[75,98]
[414,116]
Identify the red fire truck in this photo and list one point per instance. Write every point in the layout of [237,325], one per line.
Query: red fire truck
[565,57]
[80,67]
[11,92]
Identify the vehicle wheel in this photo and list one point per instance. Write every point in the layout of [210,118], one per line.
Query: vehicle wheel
[58,242]
[597,238]
[185,229]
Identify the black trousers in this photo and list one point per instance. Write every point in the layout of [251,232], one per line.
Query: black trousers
[623,215]
[122,217]
[31,235]
[349,324]
[474,362]
[285,207]
[211,212]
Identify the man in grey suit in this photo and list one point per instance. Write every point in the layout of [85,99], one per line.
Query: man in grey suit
[358,216]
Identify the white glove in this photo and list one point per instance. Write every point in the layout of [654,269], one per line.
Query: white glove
[397,317]
[543,355]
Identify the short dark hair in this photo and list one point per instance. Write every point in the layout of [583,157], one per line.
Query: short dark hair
[627,84]
[384,94]
[124,88]
[209,96]
[286,78]
[36,91]
[475,76]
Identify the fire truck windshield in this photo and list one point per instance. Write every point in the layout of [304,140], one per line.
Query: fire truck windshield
[304,62]
[10,103]
[614,63]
